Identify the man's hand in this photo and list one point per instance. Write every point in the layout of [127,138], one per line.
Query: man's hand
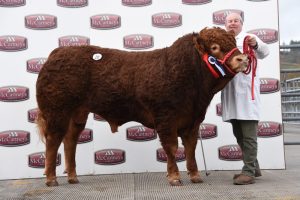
[252,42]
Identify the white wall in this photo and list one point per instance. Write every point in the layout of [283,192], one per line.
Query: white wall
[19,138]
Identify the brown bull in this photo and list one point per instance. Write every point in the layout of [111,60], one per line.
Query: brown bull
[166,89]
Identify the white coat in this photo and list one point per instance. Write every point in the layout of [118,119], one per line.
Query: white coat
[236,98]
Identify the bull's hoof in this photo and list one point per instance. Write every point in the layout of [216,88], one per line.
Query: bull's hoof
[73,180]
[196,179]
[176,182]
[52,183]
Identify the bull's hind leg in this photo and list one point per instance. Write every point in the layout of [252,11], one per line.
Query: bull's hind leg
[77,124]
[169,143]
[54,133]
[53,142]
[189,139]
[70,144]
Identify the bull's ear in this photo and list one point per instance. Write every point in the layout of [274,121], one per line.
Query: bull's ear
[199,44]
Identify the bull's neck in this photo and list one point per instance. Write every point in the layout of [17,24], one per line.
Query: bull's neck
[215,84]
[208,86]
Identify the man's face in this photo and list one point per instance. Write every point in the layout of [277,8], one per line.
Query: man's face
[233,23]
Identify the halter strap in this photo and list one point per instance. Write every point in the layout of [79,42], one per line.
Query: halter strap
[228,55]
[252,62]
[211,68]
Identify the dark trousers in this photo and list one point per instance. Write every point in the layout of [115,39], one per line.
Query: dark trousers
[245,132]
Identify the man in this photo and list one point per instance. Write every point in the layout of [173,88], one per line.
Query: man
[238,106]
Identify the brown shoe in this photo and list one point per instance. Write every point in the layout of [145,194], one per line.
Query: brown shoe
[243,180]
[235,176]
[257,174]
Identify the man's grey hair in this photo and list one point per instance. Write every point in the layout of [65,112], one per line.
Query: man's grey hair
[239,16]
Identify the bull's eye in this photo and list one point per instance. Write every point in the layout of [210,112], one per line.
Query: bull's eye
[214,48]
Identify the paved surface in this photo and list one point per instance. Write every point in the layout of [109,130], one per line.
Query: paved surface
[274,184]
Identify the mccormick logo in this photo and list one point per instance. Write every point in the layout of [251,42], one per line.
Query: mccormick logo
[37,160]
[140,133]
[85,136]
[35,65]
[268,129]
[110,157]
[230,152]
[14,93]
[12,3]
[269,85]
[166,20]
[207,131]
[72,3]
[138,41]
[99,118]
[14,138]
[13,43]
[196,2]
[136,3]
[40,21]
[219,16]
[161,155]
[73,40]
[105,21]
[32,115]
[266,35]
[219,109]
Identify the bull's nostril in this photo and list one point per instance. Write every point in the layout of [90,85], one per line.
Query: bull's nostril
[239,59]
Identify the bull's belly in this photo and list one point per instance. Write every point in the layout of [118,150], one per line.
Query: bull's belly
[117,114]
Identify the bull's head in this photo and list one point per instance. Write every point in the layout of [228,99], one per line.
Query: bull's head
[222,45]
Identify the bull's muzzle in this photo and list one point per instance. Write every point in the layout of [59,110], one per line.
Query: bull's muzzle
[240,63]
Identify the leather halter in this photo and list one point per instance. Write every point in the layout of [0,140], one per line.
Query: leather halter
[218,67]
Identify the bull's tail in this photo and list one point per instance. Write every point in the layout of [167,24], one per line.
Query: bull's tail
[41,123]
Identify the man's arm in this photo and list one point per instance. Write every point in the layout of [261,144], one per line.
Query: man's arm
[261,49]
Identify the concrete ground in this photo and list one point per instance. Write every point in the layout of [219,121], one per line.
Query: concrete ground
[274,184]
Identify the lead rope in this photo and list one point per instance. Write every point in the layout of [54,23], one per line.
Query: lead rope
[252,62]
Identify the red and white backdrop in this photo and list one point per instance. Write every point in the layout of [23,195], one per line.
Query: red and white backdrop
[31,29]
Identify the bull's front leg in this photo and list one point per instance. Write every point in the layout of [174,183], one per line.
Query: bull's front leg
[170,144]
[189,139]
